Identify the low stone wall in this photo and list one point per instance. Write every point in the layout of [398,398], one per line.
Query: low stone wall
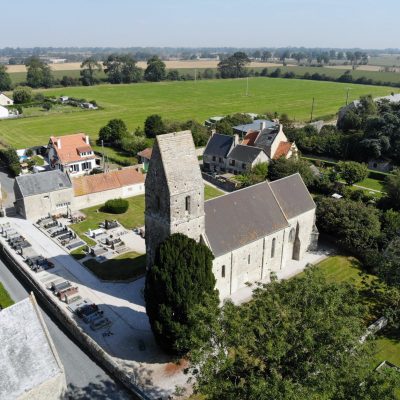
[97,352]
[224,185]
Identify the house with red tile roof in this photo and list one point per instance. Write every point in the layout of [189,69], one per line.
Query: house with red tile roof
[71,154]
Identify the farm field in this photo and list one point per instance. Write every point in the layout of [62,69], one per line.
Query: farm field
[183,100]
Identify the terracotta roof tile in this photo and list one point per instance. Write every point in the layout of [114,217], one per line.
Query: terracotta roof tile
[106,181]
[282,150]
[250,138]
[69,147]
[146,153]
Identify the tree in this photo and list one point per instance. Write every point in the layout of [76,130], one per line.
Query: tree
[154,126]
[155,71]
[356,226]
[257,174]
[22,94]
[282,167]
[297,339]
[11,159]
[90,67]
[173,75]
[350,121]
[225,125]
[122,69]
[199,132]
[113,132]
[352,171]
[392,188]
[180,279]
[266,55]
[5,80]
[38,73]
[234,66]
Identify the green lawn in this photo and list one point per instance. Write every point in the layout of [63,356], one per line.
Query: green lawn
[183,100]
[5,299]
[124,267]
[130,219]
[371,183]
[347,269]
[210,192]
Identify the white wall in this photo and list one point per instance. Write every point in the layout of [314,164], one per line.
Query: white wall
[95,199]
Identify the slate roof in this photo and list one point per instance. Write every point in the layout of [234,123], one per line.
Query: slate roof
[241,217]
[292,195]
[219,145]
[245,154]
[43,182]
[255,125]
[106,181]
[27,354]
[266,137]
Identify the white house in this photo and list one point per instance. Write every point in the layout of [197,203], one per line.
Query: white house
[4,112]
[72,154]
[5,101]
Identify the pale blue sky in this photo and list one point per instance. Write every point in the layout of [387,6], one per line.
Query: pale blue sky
[236,23]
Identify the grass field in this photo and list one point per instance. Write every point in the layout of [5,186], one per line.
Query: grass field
[183,100]
[210,192]
[124,267]
[5,299]
[347,269]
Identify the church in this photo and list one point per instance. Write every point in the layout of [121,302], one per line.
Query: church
[252,232]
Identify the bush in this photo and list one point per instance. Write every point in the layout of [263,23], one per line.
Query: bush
[22,94]
[116,206]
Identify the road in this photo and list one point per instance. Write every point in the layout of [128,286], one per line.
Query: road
[85,379]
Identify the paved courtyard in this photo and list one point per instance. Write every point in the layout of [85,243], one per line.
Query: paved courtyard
[132,343]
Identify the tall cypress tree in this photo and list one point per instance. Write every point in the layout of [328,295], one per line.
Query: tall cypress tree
[180,279]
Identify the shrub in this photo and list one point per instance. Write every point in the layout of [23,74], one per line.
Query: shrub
[116,206]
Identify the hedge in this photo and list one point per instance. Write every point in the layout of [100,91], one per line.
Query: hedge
[116,206]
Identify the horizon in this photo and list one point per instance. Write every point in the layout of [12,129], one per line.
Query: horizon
[223,24]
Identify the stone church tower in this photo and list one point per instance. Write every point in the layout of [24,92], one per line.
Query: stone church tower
[174,191]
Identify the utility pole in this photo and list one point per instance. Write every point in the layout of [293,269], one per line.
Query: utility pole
[195,74]
[347,96]
[102,148]
[312,109]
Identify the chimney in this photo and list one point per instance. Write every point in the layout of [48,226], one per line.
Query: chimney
[262,125]
[59,143]
[235,140]
[87,139]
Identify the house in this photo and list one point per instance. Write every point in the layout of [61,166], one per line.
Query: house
[30,366]
[216,152]
[256,125]
[253,232]
[37,195]
[243,158]
[92,190]
[5,100]
[381,165]
[4,113]
[212,121]
[54,192]
[144,157]
[71,154]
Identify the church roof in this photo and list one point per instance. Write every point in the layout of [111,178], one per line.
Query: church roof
[292,195]
[241,217]
[179,160]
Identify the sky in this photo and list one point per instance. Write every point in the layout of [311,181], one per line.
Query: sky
[201,23]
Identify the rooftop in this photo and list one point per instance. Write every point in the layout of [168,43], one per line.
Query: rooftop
[249,214]
[43,182]
[282,150]
[88,184]
[255,125]
[245,154]
[28,357]
[146,153]
[70,145]
[219,145]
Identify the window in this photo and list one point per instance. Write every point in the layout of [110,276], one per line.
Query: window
[244,166]
[86,165]
[232,162]
[220,159]
[223,271]
[291,235]
[214,158]
[74,168]
[187,204]
[273,248]
[248,259]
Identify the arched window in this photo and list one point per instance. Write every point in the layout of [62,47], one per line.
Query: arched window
[273,248]
[223,271]
[291,235]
